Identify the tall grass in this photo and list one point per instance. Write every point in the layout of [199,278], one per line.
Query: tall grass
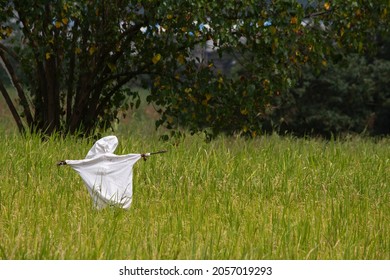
[269,198]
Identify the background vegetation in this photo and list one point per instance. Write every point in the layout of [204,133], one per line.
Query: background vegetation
[71,62]
[350,96]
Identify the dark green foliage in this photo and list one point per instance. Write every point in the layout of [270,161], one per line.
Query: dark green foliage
[350,96]
[72,61]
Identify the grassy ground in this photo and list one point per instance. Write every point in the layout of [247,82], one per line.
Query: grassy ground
[269,198]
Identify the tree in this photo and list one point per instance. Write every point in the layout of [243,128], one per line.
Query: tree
[350,96]
[77,57]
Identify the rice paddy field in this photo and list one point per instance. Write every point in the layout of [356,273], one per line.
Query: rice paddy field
[268,198]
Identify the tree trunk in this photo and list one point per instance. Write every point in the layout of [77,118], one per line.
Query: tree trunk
[12,108]
[18,87]
[52,119]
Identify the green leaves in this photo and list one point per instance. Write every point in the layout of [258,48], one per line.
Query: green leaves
[269,58]
[213,66]
[350,96]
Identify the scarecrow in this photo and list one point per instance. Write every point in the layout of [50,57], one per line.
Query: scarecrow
[107,176]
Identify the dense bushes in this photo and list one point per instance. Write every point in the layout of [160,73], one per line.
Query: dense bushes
[350,96]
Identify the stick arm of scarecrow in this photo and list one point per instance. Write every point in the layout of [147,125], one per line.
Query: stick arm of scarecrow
[144,156]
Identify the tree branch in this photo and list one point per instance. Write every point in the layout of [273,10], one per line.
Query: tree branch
[18,87]
[107,98]
[12,108]
[317,14]
[9,52]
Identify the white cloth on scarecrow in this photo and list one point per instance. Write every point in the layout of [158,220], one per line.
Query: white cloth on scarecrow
[108,177]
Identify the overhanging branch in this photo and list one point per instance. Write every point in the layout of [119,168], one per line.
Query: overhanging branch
[12,108]
[18,87]
[9,51]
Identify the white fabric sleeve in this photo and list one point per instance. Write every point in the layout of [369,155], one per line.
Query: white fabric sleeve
[108,178]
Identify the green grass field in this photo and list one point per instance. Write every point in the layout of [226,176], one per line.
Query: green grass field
[268,198]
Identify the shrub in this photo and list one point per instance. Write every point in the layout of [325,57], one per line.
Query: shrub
[350,96]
